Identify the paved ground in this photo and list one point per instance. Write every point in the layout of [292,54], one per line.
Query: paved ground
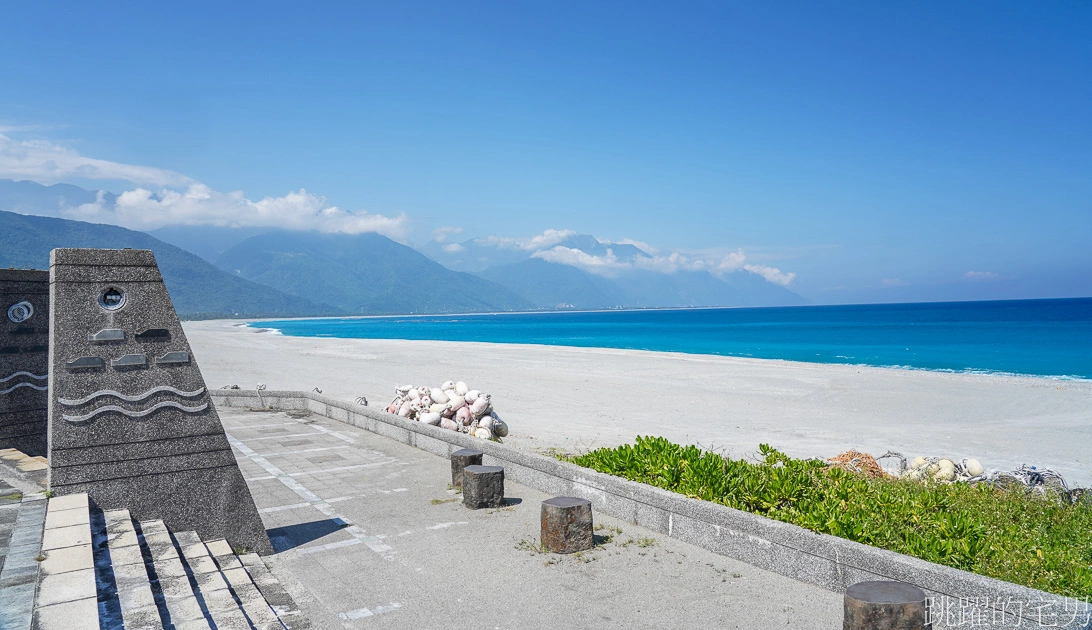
[368,535]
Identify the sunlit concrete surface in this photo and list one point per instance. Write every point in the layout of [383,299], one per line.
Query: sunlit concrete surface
[368,534]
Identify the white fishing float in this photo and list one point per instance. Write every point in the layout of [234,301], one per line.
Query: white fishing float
[452,406]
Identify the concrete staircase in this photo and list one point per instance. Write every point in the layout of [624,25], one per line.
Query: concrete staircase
[97,569]
[10,498]
[21,520]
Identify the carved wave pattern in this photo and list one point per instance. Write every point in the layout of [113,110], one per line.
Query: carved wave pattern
[134,398]
[135,414]
[137,398]
[41,388]
[22,373]
[16,386]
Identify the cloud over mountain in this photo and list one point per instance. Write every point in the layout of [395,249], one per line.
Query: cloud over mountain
[162,197]
[610,258]
[198,204]
[771,274]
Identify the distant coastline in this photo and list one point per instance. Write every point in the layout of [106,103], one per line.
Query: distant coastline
[627,309]
[1038,338]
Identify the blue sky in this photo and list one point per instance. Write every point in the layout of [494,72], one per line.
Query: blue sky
[878,151]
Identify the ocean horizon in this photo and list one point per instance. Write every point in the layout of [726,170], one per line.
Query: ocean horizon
[1043,338]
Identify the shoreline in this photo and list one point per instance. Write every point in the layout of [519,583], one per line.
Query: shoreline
[578,398]
[908,368]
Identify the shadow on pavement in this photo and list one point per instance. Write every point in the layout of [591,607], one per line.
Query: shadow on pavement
[290,536]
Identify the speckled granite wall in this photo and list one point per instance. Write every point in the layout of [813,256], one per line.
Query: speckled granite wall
[131,422]
[24,359]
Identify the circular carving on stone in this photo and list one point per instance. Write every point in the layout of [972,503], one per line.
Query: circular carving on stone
[20,311]
[112,298]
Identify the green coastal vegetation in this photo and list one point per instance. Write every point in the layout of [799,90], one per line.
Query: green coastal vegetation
[1007,534]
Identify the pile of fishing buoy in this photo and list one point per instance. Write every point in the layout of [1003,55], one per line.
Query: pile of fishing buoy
[1039,481]
[453,406]
[940,469]
[946,470]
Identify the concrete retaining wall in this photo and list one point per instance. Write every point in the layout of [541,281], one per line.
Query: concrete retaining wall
[960,599]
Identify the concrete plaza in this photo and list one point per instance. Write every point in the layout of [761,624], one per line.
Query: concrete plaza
[369,534]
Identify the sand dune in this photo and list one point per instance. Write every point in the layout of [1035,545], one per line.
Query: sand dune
[578,398]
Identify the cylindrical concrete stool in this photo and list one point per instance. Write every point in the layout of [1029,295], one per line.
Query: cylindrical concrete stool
[567,524]
[460,459]
[483,487]
[885,606]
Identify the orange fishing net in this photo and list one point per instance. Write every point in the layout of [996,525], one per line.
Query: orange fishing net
[854,461]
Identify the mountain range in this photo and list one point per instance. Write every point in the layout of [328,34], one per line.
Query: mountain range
[219,271]
[197,288]
[631,283]
[363,274]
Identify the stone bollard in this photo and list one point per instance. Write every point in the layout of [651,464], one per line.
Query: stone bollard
[884,605]
[460,459]
[483,487]
[567,524]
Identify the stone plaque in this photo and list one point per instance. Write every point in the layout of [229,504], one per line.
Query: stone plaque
[24,359]
[131,422]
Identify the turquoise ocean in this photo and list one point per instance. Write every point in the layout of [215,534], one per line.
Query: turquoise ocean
[1048,338]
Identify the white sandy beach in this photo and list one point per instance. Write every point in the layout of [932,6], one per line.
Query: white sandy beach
[579,398]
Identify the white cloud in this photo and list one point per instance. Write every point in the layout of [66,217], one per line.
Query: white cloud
[771,274]
[177,199]
[549,238]
[142,209]
[163,197]
[546,240]
[641,245]
[607,265]
[48,163]
[893,282]
[442,233]
[982,275]
[731,262]
[611,265]
[718,263]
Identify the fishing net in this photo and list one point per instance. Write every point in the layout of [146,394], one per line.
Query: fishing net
[855,461]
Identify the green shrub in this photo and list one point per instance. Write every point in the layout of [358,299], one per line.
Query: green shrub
[1005,534]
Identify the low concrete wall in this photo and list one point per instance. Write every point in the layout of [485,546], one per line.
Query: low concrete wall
[960,599]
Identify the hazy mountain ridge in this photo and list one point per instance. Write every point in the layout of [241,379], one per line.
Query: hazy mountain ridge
[363,274]
[557,285]
[27,197]
[197,288]
[549,285]
[371,274]
[207,241]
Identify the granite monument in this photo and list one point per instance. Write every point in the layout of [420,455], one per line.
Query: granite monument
[131,422]
[24,359]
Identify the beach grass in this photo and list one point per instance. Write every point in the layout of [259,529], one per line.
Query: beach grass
[1008,534]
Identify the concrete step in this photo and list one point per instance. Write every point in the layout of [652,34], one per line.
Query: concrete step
[97,569]
[67,596]
[212,587]
[275,594]
[253,603]
[23,471]
[139,609]
[170,578]
[10,499]
[19,576]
